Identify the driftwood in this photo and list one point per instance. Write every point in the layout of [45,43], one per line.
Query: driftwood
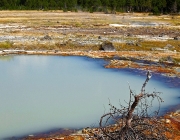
[133,122]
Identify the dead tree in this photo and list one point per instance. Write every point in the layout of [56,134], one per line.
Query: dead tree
[133,122]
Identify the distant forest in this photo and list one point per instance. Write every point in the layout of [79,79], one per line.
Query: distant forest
[106,6]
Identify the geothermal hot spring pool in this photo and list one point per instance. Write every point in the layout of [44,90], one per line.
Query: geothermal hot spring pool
[39,93]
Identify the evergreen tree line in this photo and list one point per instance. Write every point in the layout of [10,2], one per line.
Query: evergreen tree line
[107,6]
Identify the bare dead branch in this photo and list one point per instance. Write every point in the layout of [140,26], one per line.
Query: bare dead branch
[133,122]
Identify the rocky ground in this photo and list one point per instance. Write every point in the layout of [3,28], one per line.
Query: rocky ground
[140,41]
[125,40]
[171,120]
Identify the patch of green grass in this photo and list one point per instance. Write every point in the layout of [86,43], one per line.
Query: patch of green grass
[6,45]
[74,47]
[78,24]
[147,45]
[177,60]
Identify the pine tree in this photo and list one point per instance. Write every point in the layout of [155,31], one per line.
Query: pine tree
[31,4]
[169,6]
[105,4]
[130,4]
[160,6]
[113,4]
[94,5]
[174,7]
[52,4]
[148,5]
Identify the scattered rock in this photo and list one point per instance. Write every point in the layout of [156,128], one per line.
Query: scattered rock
[99,37]
[129,34]
[167,121]
[176,114]
[176,38]
[159,49]
[138,44]
[107,46]
[170,59]
[152,49]
[169,46]
[161,35]
[55,51]
[130,43]
[47,37]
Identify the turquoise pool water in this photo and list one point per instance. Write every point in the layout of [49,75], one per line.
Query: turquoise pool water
[38,93]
